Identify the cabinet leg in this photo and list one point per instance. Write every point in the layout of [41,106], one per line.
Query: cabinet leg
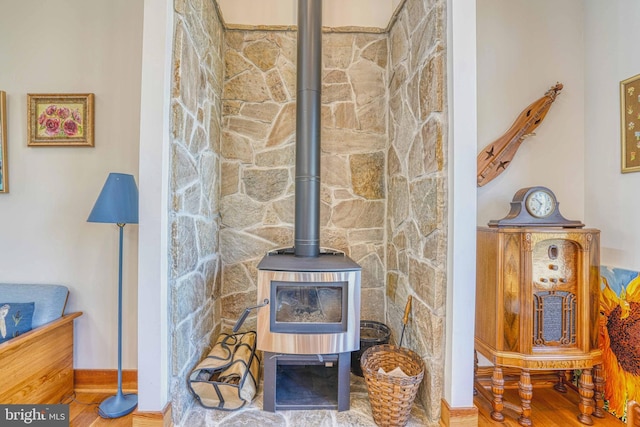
[585,388]
[525,391]
[497,388]
[559,386]
[475,370]
[598,380]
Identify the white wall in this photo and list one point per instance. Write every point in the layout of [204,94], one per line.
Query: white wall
[335,13]
[153,375]
[611,198]
[524,48]
[461,98]
[73,46]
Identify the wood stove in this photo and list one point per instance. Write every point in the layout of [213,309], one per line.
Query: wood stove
[309,329]
[309,320]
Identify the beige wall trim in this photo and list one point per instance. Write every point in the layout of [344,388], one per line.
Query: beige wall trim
[104,380]
[153,419]
[458,417]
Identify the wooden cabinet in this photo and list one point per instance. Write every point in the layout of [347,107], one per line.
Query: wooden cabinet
[537,308]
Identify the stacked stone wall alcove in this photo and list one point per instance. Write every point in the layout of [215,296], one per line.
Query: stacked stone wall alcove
[232,173]
[257,193]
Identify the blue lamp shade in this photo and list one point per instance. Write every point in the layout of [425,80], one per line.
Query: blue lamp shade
[117,202]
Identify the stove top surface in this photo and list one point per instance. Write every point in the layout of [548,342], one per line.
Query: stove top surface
[329,260]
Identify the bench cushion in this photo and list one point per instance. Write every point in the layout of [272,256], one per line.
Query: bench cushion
[15,319]
[49,300]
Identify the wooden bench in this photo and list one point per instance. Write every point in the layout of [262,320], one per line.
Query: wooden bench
[37,366]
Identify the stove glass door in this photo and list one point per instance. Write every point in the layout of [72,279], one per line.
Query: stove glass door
[308,307]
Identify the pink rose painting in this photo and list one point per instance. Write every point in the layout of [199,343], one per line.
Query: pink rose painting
[60,121]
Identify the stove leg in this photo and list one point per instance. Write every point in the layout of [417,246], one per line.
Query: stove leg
[344,381]
[269,382]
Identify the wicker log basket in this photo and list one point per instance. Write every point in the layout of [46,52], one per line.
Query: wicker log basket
[391,397]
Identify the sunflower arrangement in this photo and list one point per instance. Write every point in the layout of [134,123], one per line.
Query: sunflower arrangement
[620,344]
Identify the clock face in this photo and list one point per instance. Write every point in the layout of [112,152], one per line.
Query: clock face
[540,204]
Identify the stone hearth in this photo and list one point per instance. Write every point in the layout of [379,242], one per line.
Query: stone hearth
[252,415]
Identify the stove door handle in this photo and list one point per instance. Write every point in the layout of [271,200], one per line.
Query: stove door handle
[246,312]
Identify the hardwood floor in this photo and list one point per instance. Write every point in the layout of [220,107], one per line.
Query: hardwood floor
[83,411]
[548,408]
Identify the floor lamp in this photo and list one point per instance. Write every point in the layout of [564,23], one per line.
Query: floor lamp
[117,204]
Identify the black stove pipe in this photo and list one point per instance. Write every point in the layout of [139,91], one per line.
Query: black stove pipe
[309,81]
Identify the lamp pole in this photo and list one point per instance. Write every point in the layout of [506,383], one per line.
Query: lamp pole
[120,404]
[121,227]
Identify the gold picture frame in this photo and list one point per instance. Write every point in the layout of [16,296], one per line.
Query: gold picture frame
[4,175]
[60,120]
[630,123]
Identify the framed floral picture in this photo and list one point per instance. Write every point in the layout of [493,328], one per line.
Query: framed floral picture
[4,178]
[60,120]
[630,123]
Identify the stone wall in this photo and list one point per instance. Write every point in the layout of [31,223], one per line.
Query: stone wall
[417,210]
[258,158]
[194,218]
